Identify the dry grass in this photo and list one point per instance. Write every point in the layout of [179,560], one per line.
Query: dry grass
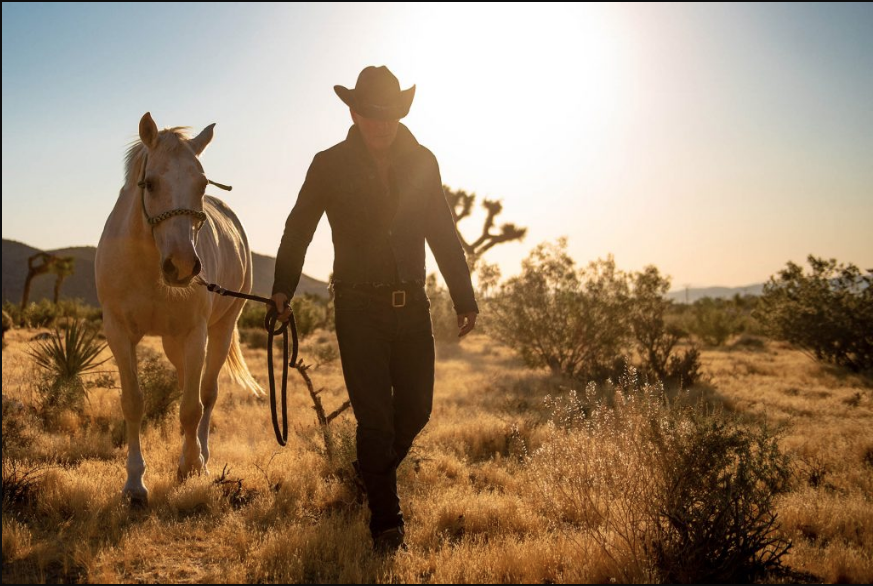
[474,507]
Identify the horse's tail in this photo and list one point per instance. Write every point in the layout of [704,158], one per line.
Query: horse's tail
[237,369]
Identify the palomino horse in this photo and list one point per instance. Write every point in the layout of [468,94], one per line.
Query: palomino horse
[162,240]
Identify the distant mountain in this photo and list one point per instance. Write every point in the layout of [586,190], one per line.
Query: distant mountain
[714,292]
[80,285]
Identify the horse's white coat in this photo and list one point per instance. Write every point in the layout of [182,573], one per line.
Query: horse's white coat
[147,283]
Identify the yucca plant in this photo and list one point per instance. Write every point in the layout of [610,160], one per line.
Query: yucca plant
[65,357]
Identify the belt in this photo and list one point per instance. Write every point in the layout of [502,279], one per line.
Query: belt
[398,290]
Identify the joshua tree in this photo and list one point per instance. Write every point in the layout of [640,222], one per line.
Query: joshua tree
[462,205]
[42,263]
[64,267]
[34,270]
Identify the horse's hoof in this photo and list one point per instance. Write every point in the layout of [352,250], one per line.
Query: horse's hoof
[182,476]
[136,500]
[195,468]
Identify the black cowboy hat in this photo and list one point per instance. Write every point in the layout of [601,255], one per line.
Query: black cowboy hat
[377,95]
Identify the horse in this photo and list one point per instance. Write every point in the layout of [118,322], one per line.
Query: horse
[164,239]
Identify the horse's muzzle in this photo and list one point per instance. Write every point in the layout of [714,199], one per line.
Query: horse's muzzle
[173,278]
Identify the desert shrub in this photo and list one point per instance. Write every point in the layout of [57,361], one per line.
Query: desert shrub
[750,342]
[19,427]
[587,323]
[667,492]
[255,338]
[683,370]
[715,320]
[655,336]
[309,314]
[45,314]
[40,314]
[13,311]
[64,357]
[77,309]
[572,321]
[325,353]
[19,483]
[8,324]
[442,312]
[828,313]
[487,284]
[747,306]
[487,279]
[719,483]
[252,316]
[159,384]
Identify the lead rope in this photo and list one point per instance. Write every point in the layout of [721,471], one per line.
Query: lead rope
[270,325]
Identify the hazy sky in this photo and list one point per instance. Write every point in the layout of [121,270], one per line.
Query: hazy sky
[714,141]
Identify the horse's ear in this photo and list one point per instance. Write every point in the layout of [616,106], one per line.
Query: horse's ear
[200,142]
[148,131]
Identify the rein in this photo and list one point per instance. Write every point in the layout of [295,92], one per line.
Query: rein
[270,326]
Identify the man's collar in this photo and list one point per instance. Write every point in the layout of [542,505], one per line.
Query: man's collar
[403,144]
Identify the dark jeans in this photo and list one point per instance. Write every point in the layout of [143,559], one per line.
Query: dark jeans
[387,356]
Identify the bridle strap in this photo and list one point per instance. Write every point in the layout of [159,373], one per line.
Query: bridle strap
[155,220]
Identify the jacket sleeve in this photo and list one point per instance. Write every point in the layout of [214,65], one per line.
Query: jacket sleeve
[299,228]
[442,236]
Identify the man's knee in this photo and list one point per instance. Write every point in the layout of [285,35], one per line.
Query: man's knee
[375,448]
[410,424]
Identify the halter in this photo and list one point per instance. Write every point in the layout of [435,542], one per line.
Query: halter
[153,221]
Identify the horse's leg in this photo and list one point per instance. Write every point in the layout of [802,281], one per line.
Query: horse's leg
[191,409]
[124,350]
[220,336]
[174,348]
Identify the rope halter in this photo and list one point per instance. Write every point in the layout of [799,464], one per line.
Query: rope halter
[199,215]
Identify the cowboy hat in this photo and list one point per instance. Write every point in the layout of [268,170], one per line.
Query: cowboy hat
[377,95]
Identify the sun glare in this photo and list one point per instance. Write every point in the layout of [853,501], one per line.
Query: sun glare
[512,77]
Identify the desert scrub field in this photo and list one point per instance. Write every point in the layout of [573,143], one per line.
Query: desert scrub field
[521,476]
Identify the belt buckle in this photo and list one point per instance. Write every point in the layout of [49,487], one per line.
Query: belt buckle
[401,294]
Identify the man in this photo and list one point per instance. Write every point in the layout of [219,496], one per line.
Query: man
[383,196]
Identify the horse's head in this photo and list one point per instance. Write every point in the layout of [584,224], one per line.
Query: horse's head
[172,185]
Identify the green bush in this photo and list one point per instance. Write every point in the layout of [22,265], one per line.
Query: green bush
[255,338]
[669,493]
[571,321]
[656,337]
[309,315]
[45,313]
[718,486]
[325,353]
[252,316]
[18,428]
[159,384]
[828,313]
[587,323]
[715,320]
[442,312]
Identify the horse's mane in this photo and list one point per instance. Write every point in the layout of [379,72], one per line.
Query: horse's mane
[170,139]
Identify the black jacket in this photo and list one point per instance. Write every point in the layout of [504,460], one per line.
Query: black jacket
[368,225]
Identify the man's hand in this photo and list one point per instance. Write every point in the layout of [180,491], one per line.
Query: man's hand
[466,322]
[280,300]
